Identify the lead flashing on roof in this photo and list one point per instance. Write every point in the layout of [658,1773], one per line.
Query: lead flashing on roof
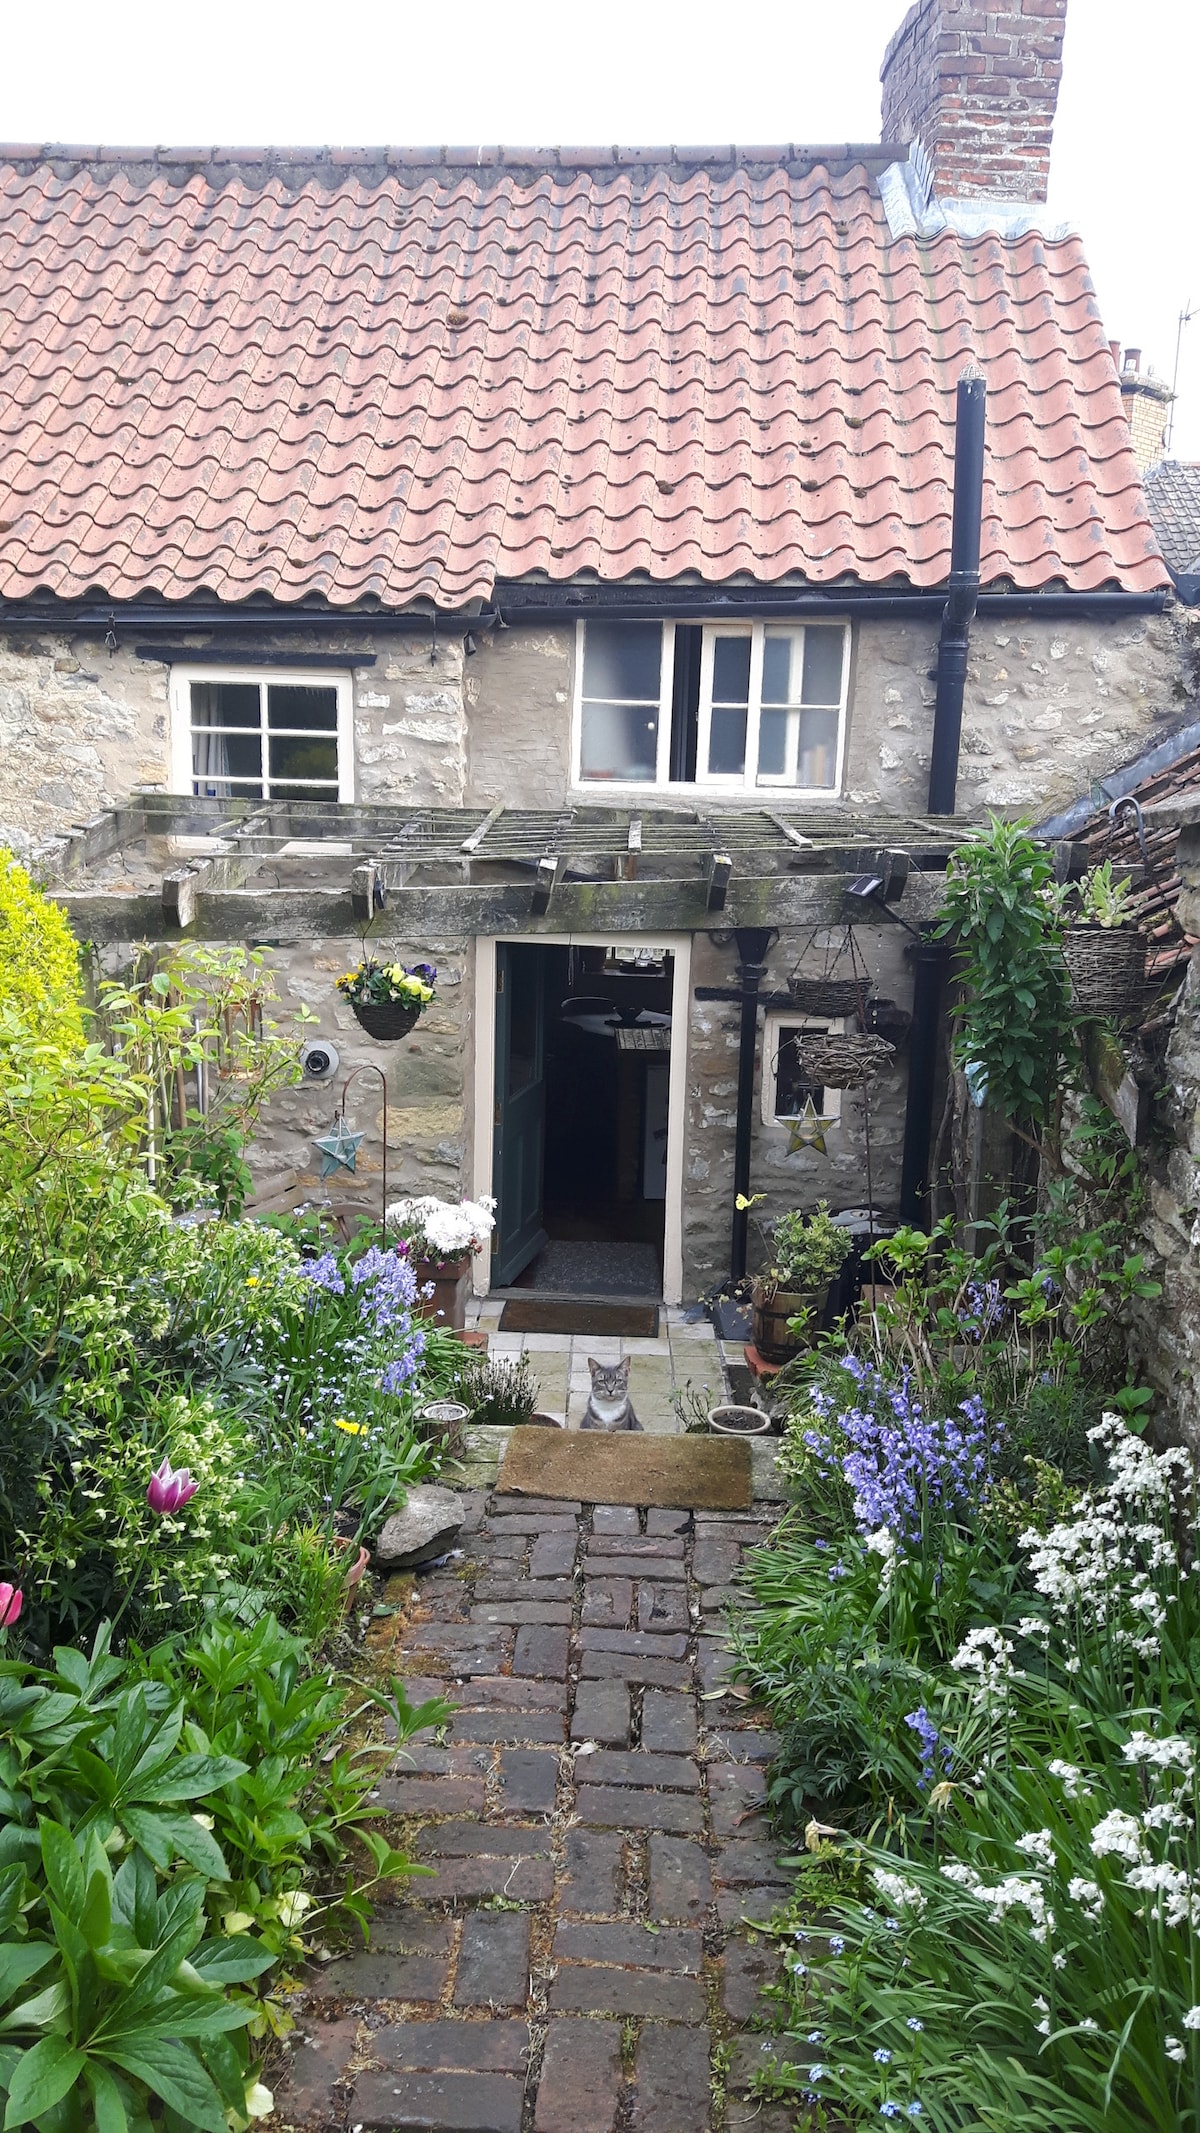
[914,210]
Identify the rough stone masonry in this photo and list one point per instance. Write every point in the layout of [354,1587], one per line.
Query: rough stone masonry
[581,1960]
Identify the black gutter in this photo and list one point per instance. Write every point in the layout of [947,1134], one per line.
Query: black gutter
[955,639]
[931,956]
[618,603]
[752,945]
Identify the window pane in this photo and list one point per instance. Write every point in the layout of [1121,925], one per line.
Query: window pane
[225,703]
[727,743]
[780,662]
[618,741]
[622,660]
[792,1090]
[306,708]
[304,759]
[731,670]
[772,744]
[818,747]
[823,649]
[219,757]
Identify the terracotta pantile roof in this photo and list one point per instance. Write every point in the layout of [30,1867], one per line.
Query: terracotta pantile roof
[380,381]
[1173,501]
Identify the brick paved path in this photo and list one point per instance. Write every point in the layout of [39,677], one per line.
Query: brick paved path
[579,1963]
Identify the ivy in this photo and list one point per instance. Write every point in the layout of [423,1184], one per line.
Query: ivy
[1001,909]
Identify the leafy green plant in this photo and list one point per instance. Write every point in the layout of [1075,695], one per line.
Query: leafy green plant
[39,961]
[158,1835]
[1103,901]
[1003,914]
[803,1251]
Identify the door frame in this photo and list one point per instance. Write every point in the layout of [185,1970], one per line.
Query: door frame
[676,945]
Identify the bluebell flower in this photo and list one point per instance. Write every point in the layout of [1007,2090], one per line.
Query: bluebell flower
[837,1943]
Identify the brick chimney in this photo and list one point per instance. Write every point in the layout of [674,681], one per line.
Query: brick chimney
[977,85]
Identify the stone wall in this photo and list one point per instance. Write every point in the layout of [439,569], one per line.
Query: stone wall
[427,1084]
[81,727]
[518,691]
[1049,708]
[787,1181]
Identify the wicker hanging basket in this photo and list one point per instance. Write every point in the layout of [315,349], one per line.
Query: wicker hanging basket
[386,1020]
[846,1062]
[830,996]
[1107,969]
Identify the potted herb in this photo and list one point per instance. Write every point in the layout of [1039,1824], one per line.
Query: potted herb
[788,1295]
[442,1237]
[1104,950]
[387,999]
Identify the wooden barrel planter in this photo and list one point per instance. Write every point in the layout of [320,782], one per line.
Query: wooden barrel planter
[1107,969]
[451,1282]
[770,1312]
[386,1020]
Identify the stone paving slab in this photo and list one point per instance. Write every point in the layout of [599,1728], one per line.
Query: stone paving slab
[582,1958]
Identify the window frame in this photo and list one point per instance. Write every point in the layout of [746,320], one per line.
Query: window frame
[747,786]
[775,1021]
[263,677]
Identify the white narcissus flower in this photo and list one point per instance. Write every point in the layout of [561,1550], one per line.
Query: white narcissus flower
[292,1908]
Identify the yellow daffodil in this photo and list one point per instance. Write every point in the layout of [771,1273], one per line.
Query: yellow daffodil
[352,1429]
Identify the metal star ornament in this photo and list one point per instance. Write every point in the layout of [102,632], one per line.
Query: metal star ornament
[809,1130]
[339,1149]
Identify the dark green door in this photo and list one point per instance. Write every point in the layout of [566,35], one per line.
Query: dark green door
[520,1144]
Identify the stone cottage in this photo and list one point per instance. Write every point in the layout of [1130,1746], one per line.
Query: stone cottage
[540,557]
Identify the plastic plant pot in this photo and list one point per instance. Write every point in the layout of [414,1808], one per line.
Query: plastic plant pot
[733,1421]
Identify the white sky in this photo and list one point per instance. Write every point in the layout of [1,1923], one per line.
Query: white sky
[649,71]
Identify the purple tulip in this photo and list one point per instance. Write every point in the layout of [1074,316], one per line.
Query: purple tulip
[169,1491]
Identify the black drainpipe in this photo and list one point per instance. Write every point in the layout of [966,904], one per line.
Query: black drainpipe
[931,956]
[752,945]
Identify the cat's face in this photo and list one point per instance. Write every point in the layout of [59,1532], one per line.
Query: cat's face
[610,1381]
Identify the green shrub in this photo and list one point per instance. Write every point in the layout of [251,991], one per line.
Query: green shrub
[39,961]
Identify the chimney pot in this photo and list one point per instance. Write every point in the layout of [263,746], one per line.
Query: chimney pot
[1133,359]
[1114,349]
[976,83]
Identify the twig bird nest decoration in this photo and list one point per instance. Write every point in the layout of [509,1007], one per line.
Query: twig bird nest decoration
[830,1061]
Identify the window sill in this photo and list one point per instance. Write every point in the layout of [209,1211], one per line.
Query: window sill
[598,790]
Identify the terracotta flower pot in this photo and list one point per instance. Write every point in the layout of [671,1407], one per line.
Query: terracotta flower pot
[451,1283]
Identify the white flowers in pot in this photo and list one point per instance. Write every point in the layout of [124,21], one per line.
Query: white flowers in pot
[442,1231]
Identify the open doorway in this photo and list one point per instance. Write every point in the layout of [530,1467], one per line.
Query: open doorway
[581,1115]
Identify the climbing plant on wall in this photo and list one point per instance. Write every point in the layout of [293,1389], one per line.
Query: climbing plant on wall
[1015,1028]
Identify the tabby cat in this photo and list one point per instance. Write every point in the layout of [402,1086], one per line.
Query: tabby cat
[609,1405]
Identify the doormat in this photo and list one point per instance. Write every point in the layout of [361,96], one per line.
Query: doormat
[574,1314]
[574,1266]
[689,1473]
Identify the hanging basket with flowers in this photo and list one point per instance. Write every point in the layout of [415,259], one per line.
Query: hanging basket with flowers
[387,999]
[1104,950]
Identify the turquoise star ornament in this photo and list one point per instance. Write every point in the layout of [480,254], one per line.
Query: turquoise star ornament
[339,1149]
[809,1130]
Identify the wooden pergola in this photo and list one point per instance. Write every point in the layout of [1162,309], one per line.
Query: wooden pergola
[322,867]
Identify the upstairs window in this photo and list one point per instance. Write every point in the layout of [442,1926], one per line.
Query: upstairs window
[261,736]
[743,707]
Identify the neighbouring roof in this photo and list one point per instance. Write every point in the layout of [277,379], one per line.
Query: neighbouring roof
[1151,858]
[1173,501]
[388,376]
